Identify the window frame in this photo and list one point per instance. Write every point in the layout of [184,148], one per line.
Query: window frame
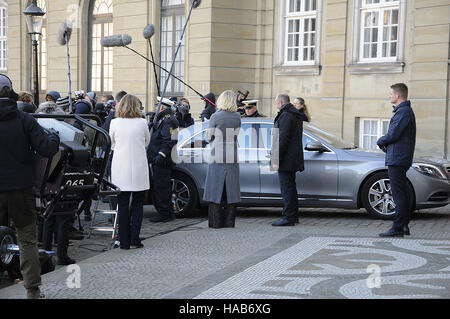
[4,38]
[379,134]
[358,33]
[285,17]
[173,11]
[100,19]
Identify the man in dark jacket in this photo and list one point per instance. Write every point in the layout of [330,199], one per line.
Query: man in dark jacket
[399,143]
[287,156]
[159,154]
[17,200]
[210,109]
[251,109]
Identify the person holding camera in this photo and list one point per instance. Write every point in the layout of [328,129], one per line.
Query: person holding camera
[17,179]
[184,116]
[159,155]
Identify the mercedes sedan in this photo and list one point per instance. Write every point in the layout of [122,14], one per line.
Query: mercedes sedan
[337,174]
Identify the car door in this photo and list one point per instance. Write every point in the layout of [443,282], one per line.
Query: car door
[316,183]
[195,156]
[248,162]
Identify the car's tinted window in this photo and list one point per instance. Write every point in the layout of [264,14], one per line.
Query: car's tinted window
[197,141]
[265,137]
[248,137]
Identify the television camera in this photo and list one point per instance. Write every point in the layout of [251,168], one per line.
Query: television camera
[67,182]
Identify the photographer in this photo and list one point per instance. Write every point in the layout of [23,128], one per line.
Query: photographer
[183,114]
[17,179]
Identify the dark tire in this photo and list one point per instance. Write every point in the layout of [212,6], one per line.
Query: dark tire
[184,195]
[376,197]
[7,237]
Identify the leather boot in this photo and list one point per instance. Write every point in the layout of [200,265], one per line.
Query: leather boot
[230,216]
[214,216]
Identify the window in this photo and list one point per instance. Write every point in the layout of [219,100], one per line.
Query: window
[43,48]
[3,37]
[301,32]
[379,30]
[371,130]
[101,58]
[172,22]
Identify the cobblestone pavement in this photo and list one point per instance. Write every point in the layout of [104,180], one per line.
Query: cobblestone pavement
[331,254]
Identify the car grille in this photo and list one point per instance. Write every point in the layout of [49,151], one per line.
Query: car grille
[439,197]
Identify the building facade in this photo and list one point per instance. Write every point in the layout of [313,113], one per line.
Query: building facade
[341,56]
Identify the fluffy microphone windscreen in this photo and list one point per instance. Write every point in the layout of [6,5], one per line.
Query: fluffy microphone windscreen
[120,40]
[65,30]
[149,31]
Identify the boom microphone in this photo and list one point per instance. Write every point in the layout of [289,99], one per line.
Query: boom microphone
[149,31]
[65,32]
[120,40]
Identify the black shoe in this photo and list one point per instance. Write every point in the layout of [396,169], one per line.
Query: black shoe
[406,231]
[66,261]
[392,233]
[215,219]
[159,219]
[140,245]
[283,222]
[230,216]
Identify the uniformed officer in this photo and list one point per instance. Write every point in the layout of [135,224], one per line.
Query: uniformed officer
[251,109]
[159,156]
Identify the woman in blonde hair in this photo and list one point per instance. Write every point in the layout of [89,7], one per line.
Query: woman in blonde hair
[130,172]
[299,104]
[222,188]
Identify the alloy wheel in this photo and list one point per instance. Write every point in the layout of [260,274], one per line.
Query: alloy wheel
[180,195]
[380,197]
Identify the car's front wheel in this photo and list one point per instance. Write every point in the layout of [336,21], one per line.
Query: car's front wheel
[377,199]
[184,195]
[7,240]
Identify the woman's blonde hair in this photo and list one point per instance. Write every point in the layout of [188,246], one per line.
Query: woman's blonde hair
[129,107]
[26,97]
[227,101]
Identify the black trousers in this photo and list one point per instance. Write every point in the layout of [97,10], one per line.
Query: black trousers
[162,190]
[289,193]
[399,188]
[58,225]
[130,217]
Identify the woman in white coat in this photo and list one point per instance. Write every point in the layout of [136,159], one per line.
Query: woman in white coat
[130,172]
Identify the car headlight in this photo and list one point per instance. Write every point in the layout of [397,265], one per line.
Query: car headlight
[429,170]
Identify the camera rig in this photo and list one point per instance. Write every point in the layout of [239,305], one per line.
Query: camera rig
[67,182]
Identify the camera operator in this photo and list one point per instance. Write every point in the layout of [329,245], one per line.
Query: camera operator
[183,114]
[17,178]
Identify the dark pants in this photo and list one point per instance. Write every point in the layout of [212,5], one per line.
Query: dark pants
[20,206]
[289,194]
[399,188]
[58,225]
[162,190]
[130,217]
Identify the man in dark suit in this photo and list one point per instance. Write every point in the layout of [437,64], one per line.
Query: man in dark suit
[287,156]
[399,143]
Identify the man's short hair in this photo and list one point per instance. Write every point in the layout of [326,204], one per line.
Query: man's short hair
[401,89]
[120,95]
[283,98]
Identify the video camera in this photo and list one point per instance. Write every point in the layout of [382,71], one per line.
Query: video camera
[79,95]
[241,97]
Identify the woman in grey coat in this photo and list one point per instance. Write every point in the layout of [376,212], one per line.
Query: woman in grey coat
[222,187]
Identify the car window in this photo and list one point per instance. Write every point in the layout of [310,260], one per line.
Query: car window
[265,137]
[197,141]
[248,137]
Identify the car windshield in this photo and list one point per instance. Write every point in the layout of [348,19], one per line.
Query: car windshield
[329,138]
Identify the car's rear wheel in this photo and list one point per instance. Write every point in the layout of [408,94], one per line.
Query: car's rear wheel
[184,195]
[377,199]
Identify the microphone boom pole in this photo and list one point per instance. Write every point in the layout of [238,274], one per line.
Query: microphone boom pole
[68,74]
[195,3]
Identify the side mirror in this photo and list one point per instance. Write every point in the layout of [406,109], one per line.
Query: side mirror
[315,146]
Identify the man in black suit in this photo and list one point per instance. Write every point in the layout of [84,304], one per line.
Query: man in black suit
[399,143]
[287,156]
